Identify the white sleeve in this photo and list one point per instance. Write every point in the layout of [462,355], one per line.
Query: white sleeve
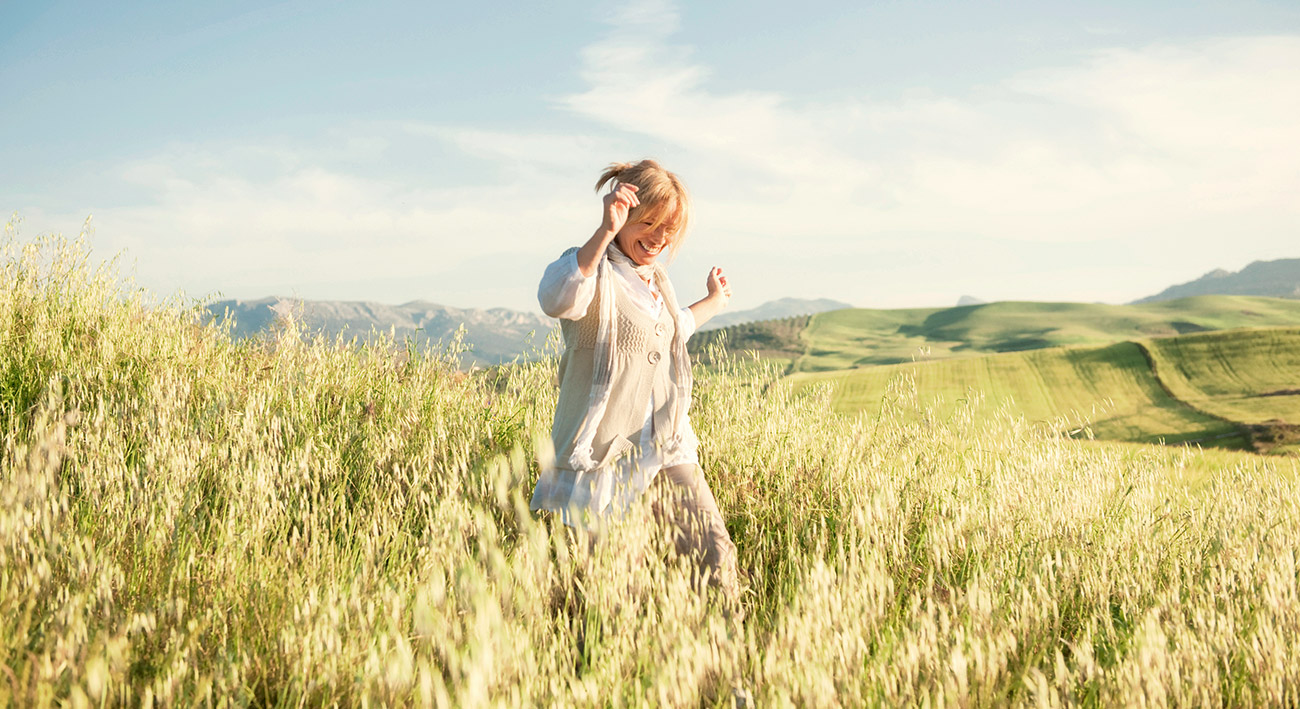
[564,292]
[686,323]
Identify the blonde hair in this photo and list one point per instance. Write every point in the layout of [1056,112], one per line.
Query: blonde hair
[662,194]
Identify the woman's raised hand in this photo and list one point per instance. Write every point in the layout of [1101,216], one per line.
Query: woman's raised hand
[718,298]
[717,285]
[618,203]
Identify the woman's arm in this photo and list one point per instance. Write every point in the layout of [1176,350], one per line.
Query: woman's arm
[590,253]
[713,303]
[567,287]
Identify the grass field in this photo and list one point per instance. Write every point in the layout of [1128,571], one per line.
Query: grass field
[301,522]
[1196,470]
[844,339]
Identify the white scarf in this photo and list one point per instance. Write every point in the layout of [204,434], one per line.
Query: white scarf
[603,371]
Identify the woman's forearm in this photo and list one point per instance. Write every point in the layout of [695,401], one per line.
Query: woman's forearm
[590,253]
[704,309]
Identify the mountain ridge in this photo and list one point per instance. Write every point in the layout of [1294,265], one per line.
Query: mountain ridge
[1279,278]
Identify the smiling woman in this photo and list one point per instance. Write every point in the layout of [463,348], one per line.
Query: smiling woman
[621,426]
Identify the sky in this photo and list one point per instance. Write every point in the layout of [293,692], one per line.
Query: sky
[884,154]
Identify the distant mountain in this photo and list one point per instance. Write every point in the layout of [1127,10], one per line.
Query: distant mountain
[495,335]
[773,310]
[969,300]
[1277,279]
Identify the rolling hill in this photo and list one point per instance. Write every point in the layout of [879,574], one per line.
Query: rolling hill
[1248,376]
[1234,388]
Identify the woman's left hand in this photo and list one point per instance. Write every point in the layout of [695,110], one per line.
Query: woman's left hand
[717,299]
[717,285]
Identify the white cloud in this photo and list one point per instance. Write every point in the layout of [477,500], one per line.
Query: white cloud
[1217,118]
[1135,141]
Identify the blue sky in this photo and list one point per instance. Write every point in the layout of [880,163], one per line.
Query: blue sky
[888,154]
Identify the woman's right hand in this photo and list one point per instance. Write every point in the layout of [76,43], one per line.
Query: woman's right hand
[618,203]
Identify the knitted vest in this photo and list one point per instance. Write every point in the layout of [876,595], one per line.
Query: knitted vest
[642,362]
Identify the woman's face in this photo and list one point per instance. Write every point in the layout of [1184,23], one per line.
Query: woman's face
[643,242]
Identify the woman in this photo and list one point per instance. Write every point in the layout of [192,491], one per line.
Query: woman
[621,427]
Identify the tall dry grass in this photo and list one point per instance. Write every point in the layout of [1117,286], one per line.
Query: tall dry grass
[294,521]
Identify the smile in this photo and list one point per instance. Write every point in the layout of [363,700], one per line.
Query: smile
[650,250]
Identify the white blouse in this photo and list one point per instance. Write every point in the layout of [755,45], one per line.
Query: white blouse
[566,294]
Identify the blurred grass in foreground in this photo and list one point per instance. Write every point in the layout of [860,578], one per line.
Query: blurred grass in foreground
[298,521]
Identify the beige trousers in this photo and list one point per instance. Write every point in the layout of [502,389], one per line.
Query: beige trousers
[681,499]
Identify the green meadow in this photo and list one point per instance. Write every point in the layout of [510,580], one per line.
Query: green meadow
[187,520]
[1108,391]
[1235,388]
[1251,376]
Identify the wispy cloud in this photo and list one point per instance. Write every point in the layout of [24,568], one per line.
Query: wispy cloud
[526,153]
[641,83]
[254,220]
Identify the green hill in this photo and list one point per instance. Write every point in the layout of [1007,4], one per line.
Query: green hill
[1222,389]
[849,338]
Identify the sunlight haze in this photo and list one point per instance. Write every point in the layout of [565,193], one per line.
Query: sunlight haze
[881,154]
